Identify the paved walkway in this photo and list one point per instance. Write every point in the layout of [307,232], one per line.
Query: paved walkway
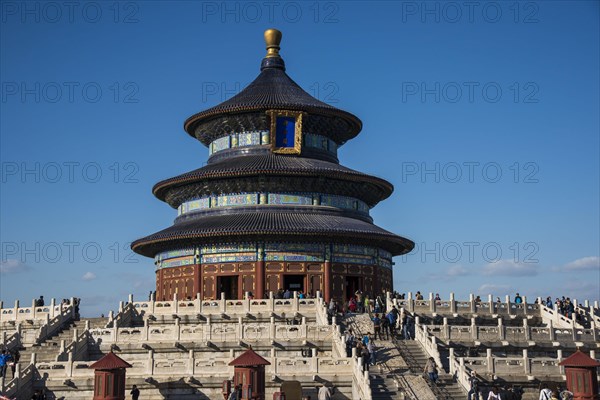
[391,366]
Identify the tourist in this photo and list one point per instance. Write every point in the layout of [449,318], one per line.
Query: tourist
[391,317]
[4,357]
[494,393]
[518,299]
[135,393]
[385,327]
[324,393]
[377,326]
[406,325]
[372,356]
[478,299]
[349,342]
[352,305]
[555,395]
[366,357]
[38,395]
[287,294]
[16,356]
[367,303]
[437,299]
[418,296]
[545,393]
[431,369]
[498,300]
[236,393]
[359,301]
[366,338]
[473,386]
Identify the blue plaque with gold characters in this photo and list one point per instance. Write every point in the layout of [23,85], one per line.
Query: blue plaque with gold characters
[286,131]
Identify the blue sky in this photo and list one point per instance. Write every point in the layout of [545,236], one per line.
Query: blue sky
[485,119]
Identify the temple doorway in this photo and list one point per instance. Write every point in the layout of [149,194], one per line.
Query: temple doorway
[229,286]
[295,283]
[353,283]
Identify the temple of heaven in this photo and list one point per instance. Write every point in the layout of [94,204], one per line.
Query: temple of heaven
[273,208]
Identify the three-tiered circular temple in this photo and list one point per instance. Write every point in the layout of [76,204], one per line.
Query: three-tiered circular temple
[273,208]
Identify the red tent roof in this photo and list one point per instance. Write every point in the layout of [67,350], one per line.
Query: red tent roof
[110,361]
[249,358]
[579,359]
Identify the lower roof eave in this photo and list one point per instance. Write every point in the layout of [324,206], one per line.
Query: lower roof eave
[149,247]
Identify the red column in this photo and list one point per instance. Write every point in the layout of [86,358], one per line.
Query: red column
[197,286]
[327,281]
[260,280]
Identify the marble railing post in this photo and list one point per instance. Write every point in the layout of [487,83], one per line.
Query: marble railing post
[175,303]
[191,363]
[150,363]
[272,301]
[223,303]
[208,328]
[410,303]
[295,303]
[431,303]
[501,330]
[508,309]
[594,328]
[474,332]
[593,354]
[551,329]
[247,302]
[272,328]
[446,329]
[146,330]
[388,302]
[491,304]
[526,363]
[16,310]
[240,328]
[120,306]
[556,313]
[524,305]
[526,329]
[130,298]
[63,345]
[559,358]
[33,309]
[452,303]
[472,307]
[69,369]
[198,304]
[177,330]
[491,366]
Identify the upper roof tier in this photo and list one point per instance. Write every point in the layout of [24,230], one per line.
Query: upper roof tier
[272,89]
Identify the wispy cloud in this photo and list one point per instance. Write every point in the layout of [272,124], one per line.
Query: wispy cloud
[88,276]
[510,268]
[490,288]
[584,264]
[449,274]
[457,270]
[13,266]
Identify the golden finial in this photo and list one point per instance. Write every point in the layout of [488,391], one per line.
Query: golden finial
[272,39]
